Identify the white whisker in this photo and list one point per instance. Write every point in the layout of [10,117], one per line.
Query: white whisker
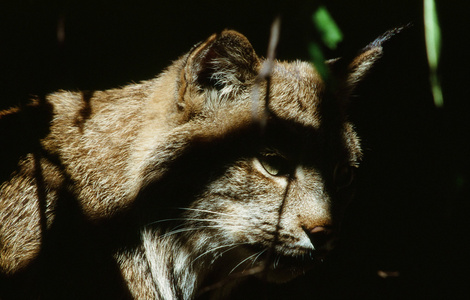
[233,246]
[223,226]
[276,261]
[242,262]
[212,220]
[207,211]
[257,256]
[236,245]
[165,220]
[221,221]
[179,231]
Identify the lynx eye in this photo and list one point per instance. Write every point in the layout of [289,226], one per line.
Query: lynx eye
[343,175]
[274,163]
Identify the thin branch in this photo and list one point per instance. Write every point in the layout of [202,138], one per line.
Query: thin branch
[265,75]
[269,256]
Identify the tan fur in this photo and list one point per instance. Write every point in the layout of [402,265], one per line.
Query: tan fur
[117,160]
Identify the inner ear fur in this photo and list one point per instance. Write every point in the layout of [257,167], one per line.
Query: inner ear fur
[222,60]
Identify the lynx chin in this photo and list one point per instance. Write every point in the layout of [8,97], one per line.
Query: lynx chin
[172,188]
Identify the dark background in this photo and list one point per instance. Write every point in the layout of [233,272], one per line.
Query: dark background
[410,216]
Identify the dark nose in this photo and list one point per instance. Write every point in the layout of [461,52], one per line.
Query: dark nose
[322,237]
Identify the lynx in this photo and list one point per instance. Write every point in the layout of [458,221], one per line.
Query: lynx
[181,186]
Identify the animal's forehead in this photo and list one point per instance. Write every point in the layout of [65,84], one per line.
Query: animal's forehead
[298,71]
[295,92]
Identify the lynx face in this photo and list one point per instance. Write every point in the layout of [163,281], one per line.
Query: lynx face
[281,196]
[187,179]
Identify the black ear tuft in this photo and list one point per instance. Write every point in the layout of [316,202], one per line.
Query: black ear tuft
[349,74]
[378,42]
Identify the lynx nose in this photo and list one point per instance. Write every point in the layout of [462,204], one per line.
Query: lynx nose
[322,238]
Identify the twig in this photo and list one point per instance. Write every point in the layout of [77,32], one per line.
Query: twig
[265,75]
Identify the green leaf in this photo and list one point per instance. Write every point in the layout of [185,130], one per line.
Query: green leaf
[433,48]
[330,33]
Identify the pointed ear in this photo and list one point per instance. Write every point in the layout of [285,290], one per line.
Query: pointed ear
[349,74]
[223,62]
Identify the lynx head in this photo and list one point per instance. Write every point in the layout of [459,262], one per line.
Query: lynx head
[272,195]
